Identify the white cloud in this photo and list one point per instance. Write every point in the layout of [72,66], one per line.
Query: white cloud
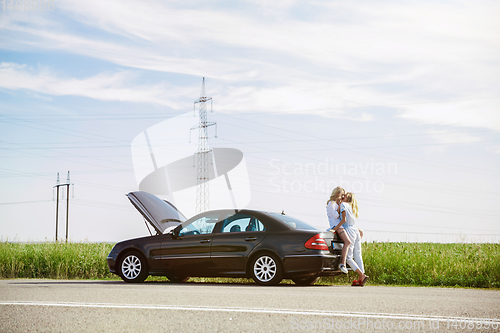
[292,98]
[106,86]
[342,55]
[494,149]
[474,113]
[43,98]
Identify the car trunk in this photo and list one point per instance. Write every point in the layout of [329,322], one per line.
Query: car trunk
[334,242]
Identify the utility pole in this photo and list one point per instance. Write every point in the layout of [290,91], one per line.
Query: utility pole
[58,184]
[203,153]
[57,204]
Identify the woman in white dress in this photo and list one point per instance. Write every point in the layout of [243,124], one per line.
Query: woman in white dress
[348,211]
[332,211]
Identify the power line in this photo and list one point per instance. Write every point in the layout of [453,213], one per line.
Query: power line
[452,187]
[337,148]
[385,157]
[62,130]
[114,116]
[358,147]
[23,202]
[295,155]
[66,157]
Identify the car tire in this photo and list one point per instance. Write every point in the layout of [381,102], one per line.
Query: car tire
[133,268]
[266,270]
[177,279]
[306,281]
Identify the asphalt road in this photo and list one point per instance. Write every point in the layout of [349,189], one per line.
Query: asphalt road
[114,306]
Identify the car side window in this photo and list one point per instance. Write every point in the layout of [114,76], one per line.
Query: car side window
[242,223]
[200,226]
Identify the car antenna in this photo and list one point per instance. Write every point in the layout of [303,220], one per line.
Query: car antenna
[283,212]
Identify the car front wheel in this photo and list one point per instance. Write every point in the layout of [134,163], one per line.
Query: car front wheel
[266,270]
[133,268]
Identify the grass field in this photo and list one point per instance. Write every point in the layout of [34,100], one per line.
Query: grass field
[412,264]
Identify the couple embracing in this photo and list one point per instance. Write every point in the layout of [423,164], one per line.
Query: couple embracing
[342,211]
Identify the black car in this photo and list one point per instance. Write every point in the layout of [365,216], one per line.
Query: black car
[267,247]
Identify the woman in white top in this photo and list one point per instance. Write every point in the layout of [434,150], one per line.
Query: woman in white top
[332,211]
[349,212]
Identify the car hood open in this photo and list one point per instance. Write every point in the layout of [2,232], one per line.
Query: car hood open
[161,214]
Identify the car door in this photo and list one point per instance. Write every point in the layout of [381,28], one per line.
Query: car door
[239,235]
[188,251]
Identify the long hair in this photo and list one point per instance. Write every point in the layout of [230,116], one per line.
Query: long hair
[351,199]
[335,193]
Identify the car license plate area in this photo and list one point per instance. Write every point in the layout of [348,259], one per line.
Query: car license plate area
[336,247]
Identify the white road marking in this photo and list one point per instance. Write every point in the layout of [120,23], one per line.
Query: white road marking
[258,310]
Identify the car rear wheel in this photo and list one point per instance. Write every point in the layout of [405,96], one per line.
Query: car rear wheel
[133,268]
[177,279]
[306,281]
[266,270]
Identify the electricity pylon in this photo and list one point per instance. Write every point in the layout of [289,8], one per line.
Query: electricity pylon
[203,154]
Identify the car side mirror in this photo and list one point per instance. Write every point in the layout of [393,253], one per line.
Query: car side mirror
[175,232]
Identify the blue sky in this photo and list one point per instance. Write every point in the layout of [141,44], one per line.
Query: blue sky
[397,101]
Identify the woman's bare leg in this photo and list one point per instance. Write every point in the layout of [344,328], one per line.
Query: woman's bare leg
[361,275]
[343,235]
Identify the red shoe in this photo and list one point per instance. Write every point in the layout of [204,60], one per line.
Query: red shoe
[355,283]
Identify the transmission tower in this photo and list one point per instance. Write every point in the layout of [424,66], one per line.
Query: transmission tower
[203,155]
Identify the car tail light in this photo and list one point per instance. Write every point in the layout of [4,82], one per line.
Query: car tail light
[316,242]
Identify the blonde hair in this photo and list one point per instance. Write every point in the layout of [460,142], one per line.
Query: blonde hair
[351,199]
[335,193]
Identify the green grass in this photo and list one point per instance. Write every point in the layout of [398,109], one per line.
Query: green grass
[54,260]
[429,264]
[410,264]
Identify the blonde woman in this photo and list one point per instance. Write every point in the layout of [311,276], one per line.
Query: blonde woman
[349,212]
[332,211]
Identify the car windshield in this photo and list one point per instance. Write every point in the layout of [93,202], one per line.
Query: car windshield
[201,225]
[294,223]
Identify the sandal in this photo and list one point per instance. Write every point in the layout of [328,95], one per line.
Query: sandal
[355,283]
[362,284]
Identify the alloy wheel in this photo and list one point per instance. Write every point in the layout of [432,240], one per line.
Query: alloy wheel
[265,269]
[131,267]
